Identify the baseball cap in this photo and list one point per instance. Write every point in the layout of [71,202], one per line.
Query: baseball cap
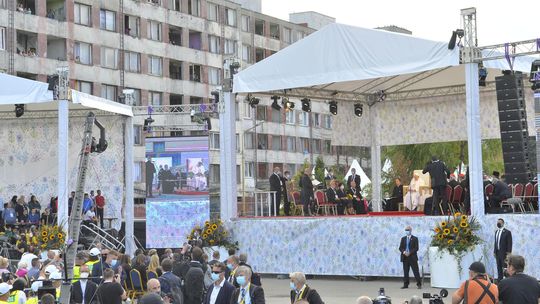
[4,288]
[51,269]
[95,252]
[478,267]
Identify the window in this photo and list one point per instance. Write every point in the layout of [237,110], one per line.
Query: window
[274,30]
[195,72]
[249,140]
[213,44]
[259,54]
[213,12]
[300,35]
[137,134]
[214,141]
[138,172]
[82,52]
[154,30]
[194,7]
[245,23]
[229,47]
[290,117]
[259,27]
[109,58]
[262,141]
[132,26]
[175,35]
[276,142]
[136,97]
[132,62]
[317,120]
[327,122]
[154,98]
[175,69]
[82,14]
[214,76]
[248,110]
[304,145]
[262,170]
[195,40]
[303,119]
[246,53]
[327,149]
[287,35]
[276,115]
[249,169]
[109,92]
[291,144]
[261,113]
[231,16]
[155,65]
[214,174]
[83,86]
[317,146]
[2,38]
[107,20]
[174,5]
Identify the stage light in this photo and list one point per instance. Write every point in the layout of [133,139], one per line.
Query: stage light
[534,76]
[333,107]
[275,104]
[306,104]
[287,104]
[358,109]
[459,33]
[52,80]
[215,95]
[482,75]
[147,123]
[19,110]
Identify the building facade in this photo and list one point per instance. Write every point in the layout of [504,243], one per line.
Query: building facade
[171,53]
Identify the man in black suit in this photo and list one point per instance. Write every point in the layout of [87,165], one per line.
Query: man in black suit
[353,177]
[500,191]
[333,197]
[84,288]
[300,290]
[439,179]
[276,184]
[356,200]
[247,292]
[150,171]
[220,292]
[502,247]
[397,196]
[286,204]
[408,249]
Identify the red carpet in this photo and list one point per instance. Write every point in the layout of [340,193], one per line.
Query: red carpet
[386,213]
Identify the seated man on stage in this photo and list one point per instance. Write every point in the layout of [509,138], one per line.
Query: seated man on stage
[334,198]
[392,203]
[501,191]
[356,201]
[412,198]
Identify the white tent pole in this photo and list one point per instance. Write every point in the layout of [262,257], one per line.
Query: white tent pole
[227,143]
[129,208]
[63,150]
[474,138]
[375,161]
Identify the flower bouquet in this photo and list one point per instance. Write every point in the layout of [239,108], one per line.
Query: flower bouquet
[213,233]
[457,234]
[51,237]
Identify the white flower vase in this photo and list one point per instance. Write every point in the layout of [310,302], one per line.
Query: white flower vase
[223,253]
[444,267]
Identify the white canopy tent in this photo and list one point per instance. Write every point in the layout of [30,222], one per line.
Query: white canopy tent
[37,98]
[346,63]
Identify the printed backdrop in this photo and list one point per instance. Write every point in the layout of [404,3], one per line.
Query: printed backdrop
[363,246]
[28,161]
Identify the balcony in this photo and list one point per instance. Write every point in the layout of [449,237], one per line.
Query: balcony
[56,10]
[175,35]
[56,48]
[26,44]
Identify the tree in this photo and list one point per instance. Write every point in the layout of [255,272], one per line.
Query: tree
[319,169]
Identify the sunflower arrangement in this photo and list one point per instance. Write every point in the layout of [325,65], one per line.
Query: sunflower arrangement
[51,237]
[213,233]
[456,234]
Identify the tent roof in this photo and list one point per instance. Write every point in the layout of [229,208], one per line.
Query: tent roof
[37,97]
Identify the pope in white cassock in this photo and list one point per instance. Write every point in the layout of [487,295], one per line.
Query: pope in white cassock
[412,198]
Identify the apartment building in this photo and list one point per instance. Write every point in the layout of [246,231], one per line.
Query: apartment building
[170,52]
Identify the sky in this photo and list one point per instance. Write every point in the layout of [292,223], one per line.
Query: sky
[497,21]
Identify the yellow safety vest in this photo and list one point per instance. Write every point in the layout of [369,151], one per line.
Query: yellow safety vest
[91,264]
[14,296]
[76,273]
[33,300]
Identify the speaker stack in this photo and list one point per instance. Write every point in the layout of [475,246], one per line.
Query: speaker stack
[513,125]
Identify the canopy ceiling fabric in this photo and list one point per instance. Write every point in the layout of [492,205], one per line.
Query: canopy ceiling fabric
[338,56]
[37,97]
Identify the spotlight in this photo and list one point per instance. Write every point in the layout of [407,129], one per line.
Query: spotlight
[459,33]
[306,104]
[19,110]
[482,75]
[215,94]
[358,109]
[254,101]
[287,104]
[147,122]
[333,107]
[381,95]
[275,104]
[52,80]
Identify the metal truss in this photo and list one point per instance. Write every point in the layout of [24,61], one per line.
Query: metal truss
[177,128]
[434,92]
[519,48]
[10,115]
[175,109]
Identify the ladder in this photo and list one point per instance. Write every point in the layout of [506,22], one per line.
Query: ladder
[11,39]
[122,48]
[75,217]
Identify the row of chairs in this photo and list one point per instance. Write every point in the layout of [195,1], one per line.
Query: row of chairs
[137,288]
[321,204]
[523,197]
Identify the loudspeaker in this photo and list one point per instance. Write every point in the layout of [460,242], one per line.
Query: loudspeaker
[514,146]
[513,125]
[509,82]
[515,93]
[512,115]
[515,157]
[511,104]
[515,178]
[514,136]
[514,168]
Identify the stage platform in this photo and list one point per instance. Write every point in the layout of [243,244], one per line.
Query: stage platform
[364,245]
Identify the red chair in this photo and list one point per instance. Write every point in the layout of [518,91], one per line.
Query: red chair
[517,198]
[323,203]
[528,196]
[456,198]
[298,206]
[448,193]
[534,200]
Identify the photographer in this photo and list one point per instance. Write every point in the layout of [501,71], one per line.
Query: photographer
[110,291]
[518,287]
[477,289]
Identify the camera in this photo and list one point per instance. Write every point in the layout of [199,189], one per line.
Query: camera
[436,298]
[382,298]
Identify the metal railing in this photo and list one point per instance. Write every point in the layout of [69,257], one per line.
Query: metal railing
[175,109]
[257,203]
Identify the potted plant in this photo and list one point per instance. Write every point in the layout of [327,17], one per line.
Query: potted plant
[454,246]
[214,237]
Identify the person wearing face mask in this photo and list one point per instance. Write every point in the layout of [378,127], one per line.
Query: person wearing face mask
[408,249]
[502,247]
[246,293]
[83,290]
[110,260]
[300,290]
[232,265]
[285,179]
[276,184]
[518,288]
[220,292]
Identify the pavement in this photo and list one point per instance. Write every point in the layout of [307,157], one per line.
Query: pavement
[345,290]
